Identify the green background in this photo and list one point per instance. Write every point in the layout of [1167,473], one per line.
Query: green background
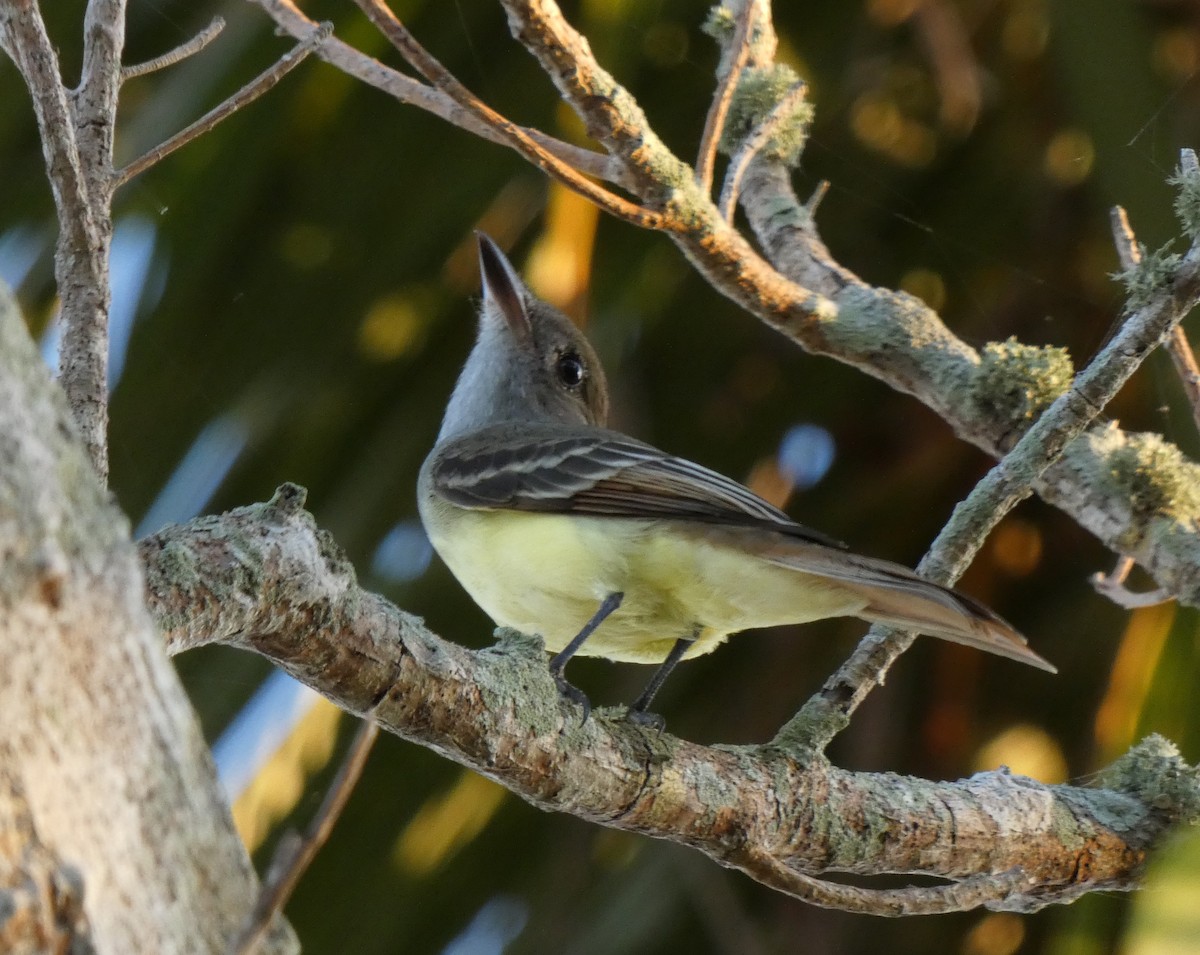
[315,268]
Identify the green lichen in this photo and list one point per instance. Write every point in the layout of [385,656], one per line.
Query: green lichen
[1156,774]
[1155,477]
[720,23]
[1155,270]
[1017,382]
[1187,199]
[758,91]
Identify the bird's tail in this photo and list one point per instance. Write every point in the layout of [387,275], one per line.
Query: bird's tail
[896,596]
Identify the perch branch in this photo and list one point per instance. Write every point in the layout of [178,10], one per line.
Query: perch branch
[266,579]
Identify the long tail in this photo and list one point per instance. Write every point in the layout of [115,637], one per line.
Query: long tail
[896,596]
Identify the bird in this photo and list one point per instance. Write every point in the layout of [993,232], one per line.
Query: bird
[606,546]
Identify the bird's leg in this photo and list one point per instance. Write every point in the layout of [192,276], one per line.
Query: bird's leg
[637,711]
[558,663]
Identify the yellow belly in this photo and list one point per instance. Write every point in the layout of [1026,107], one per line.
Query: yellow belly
[548,573]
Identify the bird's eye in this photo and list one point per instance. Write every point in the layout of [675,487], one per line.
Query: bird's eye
[569,368]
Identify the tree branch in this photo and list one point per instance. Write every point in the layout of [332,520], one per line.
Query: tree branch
[714,122]
[1008,483]
[753,145]
[405,89]
[429,67]
[265,578]
[261,84]
[296,853]
[181,52]
[77,165]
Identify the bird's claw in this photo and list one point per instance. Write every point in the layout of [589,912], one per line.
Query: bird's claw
[575,695]
[652,721]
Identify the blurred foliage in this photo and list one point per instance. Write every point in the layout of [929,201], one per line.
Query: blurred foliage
[309,302]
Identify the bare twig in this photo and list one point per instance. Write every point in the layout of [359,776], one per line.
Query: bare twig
[956,70]
[1184,359]
[243,97]
[405,89]
[296,853]
[1178,347]
[1112,586]
[780,112]
[960,896]
[818,195]
[1009,482]
[429,67]
[714,122]
[1128,252]
[181,52]
[663,181]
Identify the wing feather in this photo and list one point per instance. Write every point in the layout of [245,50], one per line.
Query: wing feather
[597,472]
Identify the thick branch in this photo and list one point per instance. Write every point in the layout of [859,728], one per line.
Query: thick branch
[97,730]
[265,578]
[41,897]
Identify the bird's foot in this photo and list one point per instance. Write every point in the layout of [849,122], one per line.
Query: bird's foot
[652,721]
[574,694]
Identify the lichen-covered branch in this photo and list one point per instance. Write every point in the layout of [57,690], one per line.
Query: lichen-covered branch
[1008,483]
[265,578]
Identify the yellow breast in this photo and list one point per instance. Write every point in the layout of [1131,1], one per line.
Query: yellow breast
[548,573]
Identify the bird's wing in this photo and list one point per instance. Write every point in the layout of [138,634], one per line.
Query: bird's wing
[597,472]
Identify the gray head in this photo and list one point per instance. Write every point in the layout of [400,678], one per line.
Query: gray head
[529,362]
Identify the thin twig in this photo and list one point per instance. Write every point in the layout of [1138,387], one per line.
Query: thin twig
[714,122]
[818,195]
[1112,586]
[956,69]
[181,52]
[290,20]
[753,144]
[1129,253]
[1184,359]
[1178,347]
[243,97]
[296,853]
[961,896]
[429,67]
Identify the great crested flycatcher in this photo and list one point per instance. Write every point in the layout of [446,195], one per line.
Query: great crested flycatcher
[608,547]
